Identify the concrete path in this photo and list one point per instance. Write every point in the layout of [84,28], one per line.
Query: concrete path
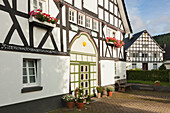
[131,102]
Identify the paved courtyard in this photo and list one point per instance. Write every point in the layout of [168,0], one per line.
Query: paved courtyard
[130,102]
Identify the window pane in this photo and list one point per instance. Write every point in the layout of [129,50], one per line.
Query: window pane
[24,63]
[30,63]
[24,71]
[82,84]
[25,80]
[86,68]
[86,76]
[81,68]
[86,84]
[40,5]
[81,76]
[35,2]
[31,71]
[32,79]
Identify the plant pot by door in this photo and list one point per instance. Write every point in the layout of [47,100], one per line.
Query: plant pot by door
[110,94]
[80,105]
[157,84]
[98,95]
[70,105]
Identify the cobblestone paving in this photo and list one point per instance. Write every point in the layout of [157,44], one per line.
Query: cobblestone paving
[130,102]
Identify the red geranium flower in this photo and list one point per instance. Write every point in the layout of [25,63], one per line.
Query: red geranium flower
[39,10]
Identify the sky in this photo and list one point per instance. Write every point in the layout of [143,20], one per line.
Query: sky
[150,15]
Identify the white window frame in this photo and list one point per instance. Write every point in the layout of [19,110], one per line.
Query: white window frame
[80,19]
[88,22]
[36,71]
[43,2]
[72,15]
[95,25]
[156,66]
[133,65]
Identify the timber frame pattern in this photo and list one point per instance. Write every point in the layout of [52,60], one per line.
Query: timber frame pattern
[152,47]
[29,45]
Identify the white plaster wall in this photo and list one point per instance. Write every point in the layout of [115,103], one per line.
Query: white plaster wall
[22,5]
[54,77]
[69,1]
[78,4]
[53,10]
[91,5]
[107,72]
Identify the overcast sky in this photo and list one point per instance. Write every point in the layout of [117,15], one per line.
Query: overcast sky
[152,15]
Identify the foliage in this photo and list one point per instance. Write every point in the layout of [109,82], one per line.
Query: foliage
[117,43]
[88,99]
[157,82]
[81,97]
[110,88]
[68,98]
[162,39]
[162,67]
[161,75]
[42,16]
[99,89]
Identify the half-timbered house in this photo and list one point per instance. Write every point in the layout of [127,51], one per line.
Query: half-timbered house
[143,52]
[41,61]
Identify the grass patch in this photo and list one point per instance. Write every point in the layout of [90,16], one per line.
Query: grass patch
[147,82]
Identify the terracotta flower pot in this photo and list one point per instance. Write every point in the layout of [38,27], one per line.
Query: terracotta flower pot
[70,105]
[98,95]
[157,84]
[110,94]
[80,105]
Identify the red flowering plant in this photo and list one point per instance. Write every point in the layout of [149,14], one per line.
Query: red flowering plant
[43,17]
[117,43]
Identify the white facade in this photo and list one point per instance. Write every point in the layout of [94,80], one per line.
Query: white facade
[143,52]
[41,60]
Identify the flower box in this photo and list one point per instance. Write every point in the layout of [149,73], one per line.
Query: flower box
[114,42]
[33,19]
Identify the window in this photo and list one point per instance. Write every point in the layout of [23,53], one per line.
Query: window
[80,19]
[38,4]
[94,25]
[133,66]
[71,15]
[154,66]
[155,55]
[30,72]
[134,55]
[87,22]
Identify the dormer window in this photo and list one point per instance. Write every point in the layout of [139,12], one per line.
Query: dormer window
[38,4]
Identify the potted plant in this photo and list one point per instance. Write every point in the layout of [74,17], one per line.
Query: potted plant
[69,99]
[110,89]
[88,99]
[157,83]
[80,99]
[99,91]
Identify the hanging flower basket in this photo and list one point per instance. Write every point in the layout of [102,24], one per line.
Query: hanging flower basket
[114,42]
[42,18]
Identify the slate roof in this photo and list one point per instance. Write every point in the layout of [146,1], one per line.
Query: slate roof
[129,42]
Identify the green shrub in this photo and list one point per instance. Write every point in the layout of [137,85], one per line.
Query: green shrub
[161,75]
[99,89]
[162,67]
[110,88]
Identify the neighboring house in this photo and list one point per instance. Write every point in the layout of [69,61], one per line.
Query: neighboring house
[167,56]
[41,62]
[143,52]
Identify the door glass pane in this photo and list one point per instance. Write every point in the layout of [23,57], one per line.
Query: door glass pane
[86,76]
[86,84]
[30,63]
[82,84]
[24,71]
[32,79]
[31,71]
[82,77]
[86,92]
[24,79]
[86,69]
[81,68]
